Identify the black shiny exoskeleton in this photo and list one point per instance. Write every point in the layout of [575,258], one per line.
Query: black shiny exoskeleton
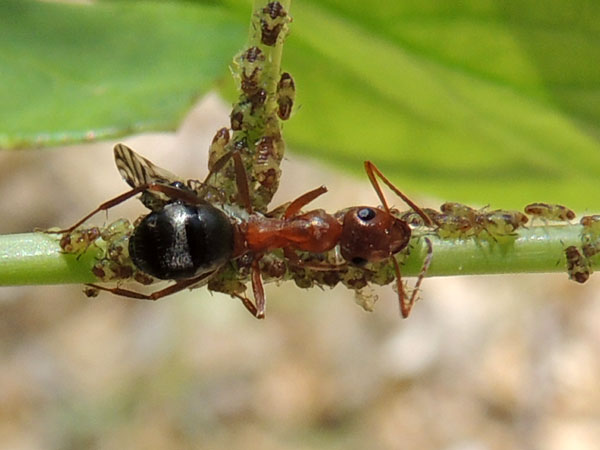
[182,241]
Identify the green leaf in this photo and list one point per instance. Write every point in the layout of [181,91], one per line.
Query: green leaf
[477,101]
[82,71]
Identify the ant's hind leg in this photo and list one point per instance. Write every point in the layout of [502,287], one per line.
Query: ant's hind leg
[174,288]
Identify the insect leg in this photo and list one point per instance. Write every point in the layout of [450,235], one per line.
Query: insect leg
[247,303]
[405,308]
[258,289]
[178,286]
[372,170]
[241,177]
[303,200]
[171,191]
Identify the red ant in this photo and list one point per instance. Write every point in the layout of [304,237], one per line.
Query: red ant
[186,239]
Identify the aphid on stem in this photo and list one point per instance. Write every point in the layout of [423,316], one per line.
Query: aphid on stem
[549,212]
[577,265]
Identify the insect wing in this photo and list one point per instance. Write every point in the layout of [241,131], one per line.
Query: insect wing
[137,170]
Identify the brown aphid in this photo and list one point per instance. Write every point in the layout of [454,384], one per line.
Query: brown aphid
[240,115]
[457,220]
[501,222]
[78,241]
[453,226]
[274,10]
[251,62]
[271,24]
[549,212]
[250,83]
[257,100]
[458,210]
[217,147]
[591,223]
[90,291]
[286,94]
[236,119]
[590,249]
[577,266]
[253,55]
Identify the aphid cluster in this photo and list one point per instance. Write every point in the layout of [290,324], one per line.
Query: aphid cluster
[455,220]
[254,119]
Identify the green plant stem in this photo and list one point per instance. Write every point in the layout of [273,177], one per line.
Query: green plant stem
[36,258]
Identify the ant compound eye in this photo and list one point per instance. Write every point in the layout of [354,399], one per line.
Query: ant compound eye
[178,185]
[358,261]
[365,214]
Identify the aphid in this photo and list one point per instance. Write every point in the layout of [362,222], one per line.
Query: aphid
[251,62]
[549,212]
[458,220]
[217,147]
[286,94]
[373,235]
[501,223]
[590,234]
[257,100]
[591,249]
[459,210]
[272,22]
[591,224]
[577,266]
[79,240]
[90,291]
[453,225]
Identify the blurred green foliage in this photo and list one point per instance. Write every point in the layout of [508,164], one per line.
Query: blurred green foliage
[481,101]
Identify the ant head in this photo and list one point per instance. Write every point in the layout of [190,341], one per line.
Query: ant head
[371,235]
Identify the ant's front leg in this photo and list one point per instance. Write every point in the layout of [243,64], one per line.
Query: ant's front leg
[405,307]
[372,172]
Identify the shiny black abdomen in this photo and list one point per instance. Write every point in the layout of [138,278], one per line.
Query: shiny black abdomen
[181,241]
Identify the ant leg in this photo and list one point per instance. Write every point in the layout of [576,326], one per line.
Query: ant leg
[241,177]
[241,180]
[294,207]
[247,303]
[170,191]
[174,288]
[258,289]
[405,308]
[104,206]
[372,170]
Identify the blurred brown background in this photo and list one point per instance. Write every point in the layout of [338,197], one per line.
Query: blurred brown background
[489,362]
